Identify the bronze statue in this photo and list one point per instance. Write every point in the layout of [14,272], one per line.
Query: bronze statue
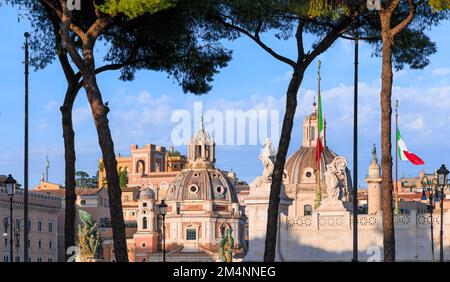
[374,153]
[90,240]
[226,245]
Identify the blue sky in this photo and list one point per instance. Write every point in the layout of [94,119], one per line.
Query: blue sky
[141,110]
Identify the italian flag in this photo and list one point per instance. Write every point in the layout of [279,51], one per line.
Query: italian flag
[319,145]
[404,154]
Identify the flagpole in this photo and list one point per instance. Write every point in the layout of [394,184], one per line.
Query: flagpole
[318,189]
[396,210]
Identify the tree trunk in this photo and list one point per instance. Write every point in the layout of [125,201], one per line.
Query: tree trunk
[386,146]
[277,175]
[69,155]
[100,112]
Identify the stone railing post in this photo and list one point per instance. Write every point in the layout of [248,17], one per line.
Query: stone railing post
[379,224]
[315,221]
[413,219]
[347,221]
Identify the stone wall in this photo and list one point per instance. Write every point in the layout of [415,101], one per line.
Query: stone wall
[329,237]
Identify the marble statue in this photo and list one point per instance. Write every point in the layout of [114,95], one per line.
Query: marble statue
[267,157]
[90,240]
[226,245]
[335,180]
[332,182]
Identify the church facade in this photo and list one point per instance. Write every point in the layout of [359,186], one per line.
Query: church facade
[202,206]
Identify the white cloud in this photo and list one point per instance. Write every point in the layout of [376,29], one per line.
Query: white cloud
[441,71]
[346,45]
[81,114]
[416,124]
[51,106]
[286,76]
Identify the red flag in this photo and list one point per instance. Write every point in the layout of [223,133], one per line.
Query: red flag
[319,149]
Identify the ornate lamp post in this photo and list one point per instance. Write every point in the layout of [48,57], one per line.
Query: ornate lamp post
[10,183]
[162,210]
[432,187]
[442,174]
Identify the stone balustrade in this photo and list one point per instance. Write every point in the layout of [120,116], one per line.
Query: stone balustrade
[317,221]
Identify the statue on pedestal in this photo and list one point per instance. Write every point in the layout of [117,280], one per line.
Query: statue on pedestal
[267,157]
[90,240]
[336,185]
[226,245]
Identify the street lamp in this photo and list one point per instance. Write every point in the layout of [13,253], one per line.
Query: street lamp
[10,183]
[442,174]
[427,185]
[162,210]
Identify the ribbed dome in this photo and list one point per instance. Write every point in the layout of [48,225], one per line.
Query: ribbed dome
[202,184]
[302,164]
[147,194]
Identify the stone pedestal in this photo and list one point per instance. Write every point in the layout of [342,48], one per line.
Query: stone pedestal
[257,204]
[331,205]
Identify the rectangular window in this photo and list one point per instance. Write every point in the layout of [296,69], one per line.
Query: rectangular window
[39,226]
[83,202]
[5,224]
[39,259]
[50,244]
[191,234]
[6,242]
[50,227]
[40,244]
[50,260]
[5,258]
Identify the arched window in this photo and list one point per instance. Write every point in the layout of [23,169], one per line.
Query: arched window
[307,210]
[140,166]
[313,133]
[144,223]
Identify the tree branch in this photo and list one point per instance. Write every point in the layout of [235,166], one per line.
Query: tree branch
[405,22]
[61,52]
[72,26]
[97,27]
[299,38]
[328,40]
[258,41]
[389,10]
[68,44]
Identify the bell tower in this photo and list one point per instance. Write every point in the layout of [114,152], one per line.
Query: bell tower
[311,128]
[146,237]
[201,150]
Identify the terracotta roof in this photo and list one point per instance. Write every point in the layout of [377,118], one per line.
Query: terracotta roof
[62,192]
[130,189]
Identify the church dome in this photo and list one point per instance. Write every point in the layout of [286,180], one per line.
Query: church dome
[147,194]
[301,165]
[202,184]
